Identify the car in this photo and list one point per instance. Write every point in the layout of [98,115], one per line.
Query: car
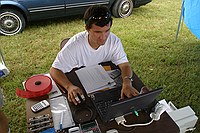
[15,14]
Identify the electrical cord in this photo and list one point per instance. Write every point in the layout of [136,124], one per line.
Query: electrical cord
[121,120]
[155,116]
[137,125]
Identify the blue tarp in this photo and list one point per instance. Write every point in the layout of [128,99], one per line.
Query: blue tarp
[191,15]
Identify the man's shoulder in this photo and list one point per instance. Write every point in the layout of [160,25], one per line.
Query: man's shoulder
[76,39]
[113,38]
[80,35]
[112,35]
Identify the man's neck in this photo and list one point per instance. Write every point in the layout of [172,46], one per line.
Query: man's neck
[93,44]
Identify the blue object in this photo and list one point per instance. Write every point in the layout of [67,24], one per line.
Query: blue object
[1,73]
[61,119]
[49,130]
[190,12]
[191,16]
[60,126]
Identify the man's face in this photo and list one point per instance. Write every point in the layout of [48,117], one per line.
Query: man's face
[98,35]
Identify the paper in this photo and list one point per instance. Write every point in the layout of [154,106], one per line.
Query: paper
[55,91]
[94,78]
[60,106]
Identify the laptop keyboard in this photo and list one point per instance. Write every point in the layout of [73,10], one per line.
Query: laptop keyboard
[103,106]
[103,100]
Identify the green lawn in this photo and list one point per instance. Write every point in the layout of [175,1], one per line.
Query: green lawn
[148,36]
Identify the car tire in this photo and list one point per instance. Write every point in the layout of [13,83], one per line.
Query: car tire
[122,8]
[11,22]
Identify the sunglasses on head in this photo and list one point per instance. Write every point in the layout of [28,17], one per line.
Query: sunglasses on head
[99,19]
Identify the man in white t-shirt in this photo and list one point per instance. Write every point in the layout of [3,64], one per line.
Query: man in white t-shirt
[91,47]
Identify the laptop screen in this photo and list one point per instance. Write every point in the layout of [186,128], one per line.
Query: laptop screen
[126,106]
[123,107]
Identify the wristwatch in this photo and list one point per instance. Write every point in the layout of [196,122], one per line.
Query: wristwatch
[130,78]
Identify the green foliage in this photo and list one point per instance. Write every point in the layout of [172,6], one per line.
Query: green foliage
[148,36]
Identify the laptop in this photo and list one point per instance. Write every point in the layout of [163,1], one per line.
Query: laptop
[109,106]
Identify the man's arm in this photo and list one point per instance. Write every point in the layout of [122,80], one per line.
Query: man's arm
[73,91]
[3,122]
[127,89]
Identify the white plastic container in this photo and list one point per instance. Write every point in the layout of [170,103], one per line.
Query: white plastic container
[3,69]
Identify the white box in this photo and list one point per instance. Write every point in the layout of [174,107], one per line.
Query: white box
[185,118]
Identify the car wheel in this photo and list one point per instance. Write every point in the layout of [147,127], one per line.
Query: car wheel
[122,8]
[11,22]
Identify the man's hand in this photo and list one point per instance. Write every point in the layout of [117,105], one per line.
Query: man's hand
[73,92]
[128,91]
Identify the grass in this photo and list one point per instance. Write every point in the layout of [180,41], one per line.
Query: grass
[148,36]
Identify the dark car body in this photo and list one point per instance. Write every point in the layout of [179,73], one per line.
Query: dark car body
[14,14]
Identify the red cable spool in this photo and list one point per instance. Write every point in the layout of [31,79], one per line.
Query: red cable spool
[35,86]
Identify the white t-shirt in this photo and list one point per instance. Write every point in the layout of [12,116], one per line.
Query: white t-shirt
[77,52]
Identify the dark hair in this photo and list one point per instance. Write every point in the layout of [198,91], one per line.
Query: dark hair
[97,14]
